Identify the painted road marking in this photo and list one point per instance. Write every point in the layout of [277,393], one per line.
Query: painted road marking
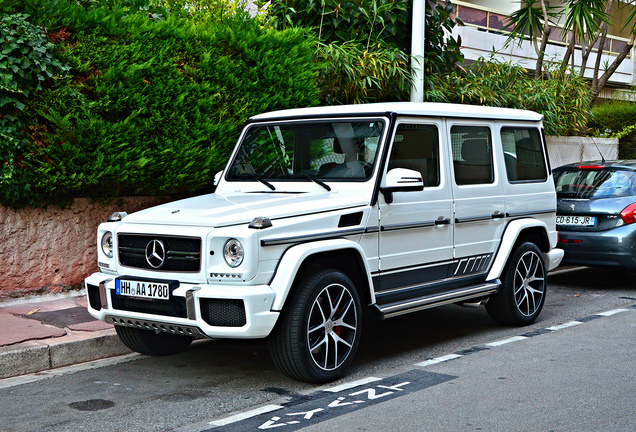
[438,360]
[353,384]
[612,312]
[506,341]
[527,335]
[565,325]
[306,410]
[248,414]
[324,405]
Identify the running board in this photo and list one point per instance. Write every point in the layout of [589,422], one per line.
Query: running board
[389,310]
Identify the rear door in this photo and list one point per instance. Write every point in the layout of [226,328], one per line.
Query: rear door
[529,189]
[479,201]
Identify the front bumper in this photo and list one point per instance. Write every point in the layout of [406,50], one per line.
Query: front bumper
[200,310]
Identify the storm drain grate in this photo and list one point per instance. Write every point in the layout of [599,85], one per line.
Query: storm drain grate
[63,317]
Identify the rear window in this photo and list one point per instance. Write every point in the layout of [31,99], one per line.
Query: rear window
[472,155]
[594,183]
[523,154]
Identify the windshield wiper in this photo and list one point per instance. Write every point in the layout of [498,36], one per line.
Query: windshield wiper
[257,178]
[314,179]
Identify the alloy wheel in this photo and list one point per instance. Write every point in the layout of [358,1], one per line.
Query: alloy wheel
[332,327]
[529,283]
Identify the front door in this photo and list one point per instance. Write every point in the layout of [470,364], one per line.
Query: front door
[416,230]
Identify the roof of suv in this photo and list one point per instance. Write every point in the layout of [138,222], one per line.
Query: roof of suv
[624,164]
[405,108]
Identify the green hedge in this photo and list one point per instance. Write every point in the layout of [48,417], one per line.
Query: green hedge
[153,103]
[616,118]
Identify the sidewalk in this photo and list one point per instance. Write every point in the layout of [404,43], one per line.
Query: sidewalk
[39,334]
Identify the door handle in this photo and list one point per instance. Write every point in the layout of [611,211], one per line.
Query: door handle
[442,221]
[498,215]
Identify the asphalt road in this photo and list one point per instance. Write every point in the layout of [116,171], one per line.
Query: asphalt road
[494,377]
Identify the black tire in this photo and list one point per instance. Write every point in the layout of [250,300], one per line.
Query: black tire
[150,343]
[323,312]
[523,289]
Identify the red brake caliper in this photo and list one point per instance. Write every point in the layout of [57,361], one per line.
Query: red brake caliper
[337,329]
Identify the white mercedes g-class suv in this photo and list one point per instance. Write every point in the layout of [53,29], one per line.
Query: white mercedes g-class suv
[325,214]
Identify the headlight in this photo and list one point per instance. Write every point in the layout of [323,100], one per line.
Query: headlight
[107,244]
[233,252]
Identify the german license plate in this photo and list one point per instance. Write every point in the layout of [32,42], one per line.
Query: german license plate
[155,290]
[576,220]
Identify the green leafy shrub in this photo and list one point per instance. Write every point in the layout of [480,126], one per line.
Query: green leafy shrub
[364,21]
[442,52]
[562,100]
[616,119]
[365,45]
[613,115]
[27,61]
[152,106]
[354,75]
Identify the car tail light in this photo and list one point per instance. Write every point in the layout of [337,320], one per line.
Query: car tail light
[591,167]
[564,240]
[629,214]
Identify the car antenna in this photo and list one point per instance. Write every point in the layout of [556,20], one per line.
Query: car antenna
[599,152]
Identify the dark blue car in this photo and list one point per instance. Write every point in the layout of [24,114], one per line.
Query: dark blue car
[596,213]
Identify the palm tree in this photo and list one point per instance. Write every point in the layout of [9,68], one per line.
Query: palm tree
[598,83]
[583,20]
[586,22]
[533,22]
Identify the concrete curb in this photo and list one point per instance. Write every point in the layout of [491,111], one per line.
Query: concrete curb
[76,347]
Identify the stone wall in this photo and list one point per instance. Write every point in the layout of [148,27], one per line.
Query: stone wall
[52,249]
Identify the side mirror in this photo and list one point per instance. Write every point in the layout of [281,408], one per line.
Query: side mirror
[217,178]
[401,180]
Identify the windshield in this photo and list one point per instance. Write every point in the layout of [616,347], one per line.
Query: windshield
[328,150]
[594,183]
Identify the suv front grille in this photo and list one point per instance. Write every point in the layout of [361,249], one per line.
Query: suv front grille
[176,307]
[182,254]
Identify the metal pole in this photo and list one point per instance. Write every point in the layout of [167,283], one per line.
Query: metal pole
[417,50]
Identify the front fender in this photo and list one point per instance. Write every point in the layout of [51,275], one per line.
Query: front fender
[508,241]
[294,257]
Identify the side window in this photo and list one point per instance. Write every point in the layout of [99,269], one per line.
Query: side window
[416,147]
[472,155]
[523,154]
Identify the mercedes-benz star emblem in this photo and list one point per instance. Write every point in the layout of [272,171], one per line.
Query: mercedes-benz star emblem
[155,253]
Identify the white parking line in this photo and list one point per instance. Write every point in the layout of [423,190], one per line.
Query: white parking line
[242,416]
[611,312]
[350,385]
[565,325]
[506,341]
[438,360]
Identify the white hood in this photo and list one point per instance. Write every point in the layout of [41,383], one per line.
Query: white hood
[213,210]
